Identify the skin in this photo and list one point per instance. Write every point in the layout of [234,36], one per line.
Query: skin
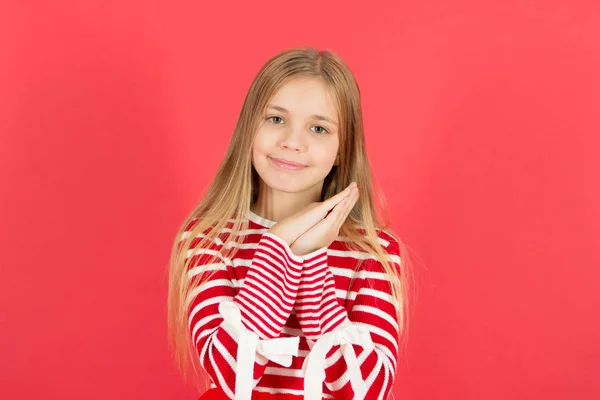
[299,136]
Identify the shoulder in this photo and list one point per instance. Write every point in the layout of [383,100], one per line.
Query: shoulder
[387,238]
[195,230]
[390,242]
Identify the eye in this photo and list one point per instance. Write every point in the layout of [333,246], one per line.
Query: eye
[325,130]
[270,118]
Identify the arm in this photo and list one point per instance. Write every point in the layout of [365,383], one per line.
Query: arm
[354,352]
[235,335]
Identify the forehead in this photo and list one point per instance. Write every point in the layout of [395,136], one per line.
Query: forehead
[306,96]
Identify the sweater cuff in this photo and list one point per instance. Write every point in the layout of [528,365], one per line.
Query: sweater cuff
[286,248]
[314,255]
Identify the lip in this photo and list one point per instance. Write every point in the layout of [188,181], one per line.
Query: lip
[285,164]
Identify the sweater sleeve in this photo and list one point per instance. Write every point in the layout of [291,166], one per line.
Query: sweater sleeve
[235,335]
[354,353]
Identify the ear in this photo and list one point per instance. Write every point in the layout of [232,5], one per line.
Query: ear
[337,160]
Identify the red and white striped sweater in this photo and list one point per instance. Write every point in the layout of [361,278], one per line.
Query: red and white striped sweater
[308,325]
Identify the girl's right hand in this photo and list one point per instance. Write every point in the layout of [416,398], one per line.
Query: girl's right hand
[292,227]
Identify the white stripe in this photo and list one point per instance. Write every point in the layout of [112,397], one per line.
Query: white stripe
[286,391]
[206,332]
[274,320]
[206,344]
[310,286]
[330,309]
[374,373]
[270,253]
[379,331]
[334,321]
[278,273]
[378,312]
[317,262]
[367,292]
[207,285]
[292,332]
[200,324]
[306,310]
[220,378]
[201,250]
[254,323]
[381,351]
[333,359]
[260,359]
[384,352]
[350,253]
[273,291]
[311,290]
[206,267]
[245,232]
[309,271]
[342,380]
[338,383]
[206,303]
[279,269]
[311,294]
[362,274]
[230,358]
[386,378]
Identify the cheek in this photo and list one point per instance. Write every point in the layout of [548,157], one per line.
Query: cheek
[260,146]
[325,155]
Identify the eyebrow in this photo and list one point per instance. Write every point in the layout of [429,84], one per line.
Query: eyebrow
[321,117]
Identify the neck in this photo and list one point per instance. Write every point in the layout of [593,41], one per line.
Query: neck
[276,205]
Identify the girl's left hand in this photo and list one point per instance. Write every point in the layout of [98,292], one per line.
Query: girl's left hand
[326,230]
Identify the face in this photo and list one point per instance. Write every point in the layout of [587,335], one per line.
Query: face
[300,125]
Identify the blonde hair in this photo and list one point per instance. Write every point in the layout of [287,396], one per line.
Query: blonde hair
[235,188]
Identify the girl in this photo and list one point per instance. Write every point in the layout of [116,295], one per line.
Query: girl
[283,282]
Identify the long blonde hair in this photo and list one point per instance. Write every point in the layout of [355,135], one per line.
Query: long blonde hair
[235,188]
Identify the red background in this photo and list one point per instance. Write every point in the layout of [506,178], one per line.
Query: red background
[482,123]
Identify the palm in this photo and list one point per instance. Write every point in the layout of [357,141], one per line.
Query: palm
[320,235]
[326,230]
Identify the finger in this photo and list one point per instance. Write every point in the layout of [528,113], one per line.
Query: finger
[306,219]
[334,200]
[336,214]
[348,206]
[342,209]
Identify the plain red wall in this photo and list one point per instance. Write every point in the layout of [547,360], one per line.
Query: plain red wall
[482,126]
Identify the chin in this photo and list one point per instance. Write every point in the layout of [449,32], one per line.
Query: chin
[283,182]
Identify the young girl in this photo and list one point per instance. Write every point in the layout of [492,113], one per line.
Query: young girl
[283,282]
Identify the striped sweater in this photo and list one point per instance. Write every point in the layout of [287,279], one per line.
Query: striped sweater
[272,321]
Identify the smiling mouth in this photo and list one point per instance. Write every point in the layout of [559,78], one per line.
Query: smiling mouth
[286,166]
